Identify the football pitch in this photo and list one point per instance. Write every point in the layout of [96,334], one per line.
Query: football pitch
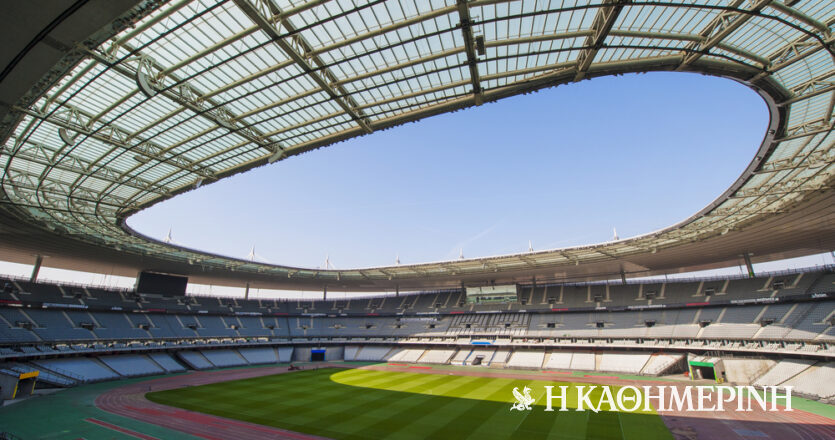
[369,404]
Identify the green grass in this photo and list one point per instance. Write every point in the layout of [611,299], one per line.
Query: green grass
[365,404]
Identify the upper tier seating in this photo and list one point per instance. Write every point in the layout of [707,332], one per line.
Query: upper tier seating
[206,317]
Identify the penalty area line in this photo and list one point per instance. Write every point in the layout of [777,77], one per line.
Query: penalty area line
[120,429]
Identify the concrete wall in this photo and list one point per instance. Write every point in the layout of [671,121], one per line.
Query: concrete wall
[746,371]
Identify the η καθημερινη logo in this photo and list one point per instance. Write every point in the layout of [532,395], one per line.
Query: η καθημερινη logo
[523,401]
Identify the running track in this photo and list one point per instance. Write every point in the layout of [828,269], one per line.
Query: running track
[129,401]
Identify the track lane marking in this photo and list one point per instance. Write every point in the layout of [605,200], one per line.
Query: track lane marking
[119,429]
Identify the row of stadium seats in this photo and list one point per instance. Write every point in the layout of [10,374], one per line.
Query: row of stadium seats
[622,362]
[69,371]
[796,321]
[529,298]
[807,377]
[804,375]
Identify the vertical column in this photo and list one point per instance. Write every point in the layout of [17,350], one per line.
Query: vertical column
[747,257]
[246,292]
[325,293]
[36,268]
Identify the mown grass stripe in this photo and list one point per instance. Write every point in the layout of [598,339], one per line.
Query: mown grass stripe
[393,403]
[604,425]
[430,408]
[479,413]
[365,404]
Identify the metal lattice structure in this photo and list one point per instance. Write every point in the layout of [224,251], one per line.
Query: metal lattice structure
[194,91]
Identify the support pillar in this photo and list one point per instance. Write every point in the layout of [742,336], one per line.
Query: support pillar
[324,293]
[747,257]
[623,277]
[36,268]
[396,290]
[246,292]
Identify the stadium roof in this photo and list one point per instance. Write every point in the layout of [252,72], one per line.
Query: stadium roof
[115,106]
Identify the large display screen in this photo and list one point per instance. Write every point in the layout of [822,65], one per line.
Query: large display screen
[164,284]
[492,294]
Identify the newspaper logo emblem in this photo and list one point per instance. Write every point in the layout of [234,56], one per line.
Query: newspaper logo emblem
[523,401]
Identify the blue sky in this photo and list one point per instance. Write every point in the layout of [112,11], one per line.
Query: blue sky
[558,168]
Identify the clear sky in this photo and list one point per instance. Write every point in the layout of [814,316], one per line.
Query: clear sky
[558,168]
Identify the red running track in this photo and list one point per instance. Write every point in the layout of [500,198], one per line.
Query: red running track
[130,401]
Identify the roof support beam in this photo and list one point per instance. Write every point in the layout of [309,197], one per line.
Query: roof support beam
[469,46]
[43,155]
[109,134]
[765,192]
[335,45]
[809,128]
[628,34]
[718,29]
[188,98]
[184,94]
[794,13]
[337,93]
[814,87]
[795,51]
[602,24]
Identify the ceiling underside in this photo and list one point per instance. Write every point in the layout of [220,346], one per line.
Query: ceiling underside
[167,96]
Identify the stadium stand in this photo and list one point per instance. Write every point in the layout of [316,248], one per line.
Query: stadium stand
[583,361]
[166,362]
[350,353]
[433,356]
[631,363]
[461,356]
[132,365]
[254,356]
[783,371]
[658,363]
[746,371]
[500,357]
[815,381]
[558,361]
[526,359]
[66,379]
[224,358]
[372,354]
[285,354]
[407,355]
[85,369]
[643,328]
[195,360]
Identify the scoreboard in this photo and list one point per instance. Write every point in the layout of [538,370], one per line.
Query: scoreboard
[492,294]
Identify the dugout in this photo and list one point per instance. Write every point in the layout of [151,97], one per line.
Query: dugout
[14,385]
